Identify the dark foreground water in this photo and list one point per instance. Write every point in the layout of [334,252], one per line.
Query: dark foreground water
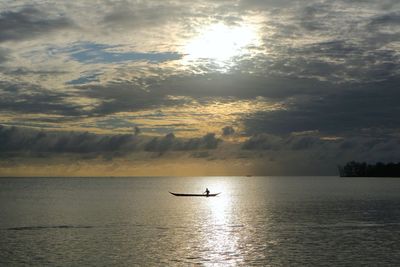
[268,221]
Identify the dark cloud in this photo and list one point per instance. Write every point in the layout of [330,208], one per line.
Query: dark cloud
[316,17]
[137,130]
[162,144]
[145,14]
[339,61]
[131,96]
[258,5]
[312,147]
[30,98]
[25,140]
[116,97]
[170,142]
[341,47]
[228,130]
[14,139]
[237,85]
[297,142]
[373,105]
[303,142]
[29,22]
[388,19]
[262,142]
[296,152]
[156,93]
[332,66]
[210,141]
[22,71]
[152,14]
[4,55]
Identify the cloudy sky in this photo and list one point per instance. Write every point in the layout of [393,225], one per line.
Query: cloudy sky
[263,87]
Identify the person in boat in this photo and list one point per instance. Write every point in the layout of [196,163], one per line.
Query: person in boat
[207,192]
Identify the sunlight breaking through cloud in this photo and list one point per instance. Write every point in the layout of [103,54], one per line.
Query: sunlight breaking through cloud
[220,43]
[254,68]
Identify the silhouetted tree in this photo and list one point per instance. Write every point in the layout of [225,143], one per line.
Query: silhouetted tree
[362,169]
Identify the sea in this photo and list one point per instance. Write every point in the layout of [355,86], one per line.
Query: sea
[255,221]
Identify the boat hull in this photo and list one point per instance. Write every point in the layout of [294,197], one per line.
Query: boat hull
[194,195]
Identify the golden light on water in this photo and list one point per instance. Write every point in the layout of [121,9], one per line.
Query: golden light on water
[220,206]
[220,43]
[224,237]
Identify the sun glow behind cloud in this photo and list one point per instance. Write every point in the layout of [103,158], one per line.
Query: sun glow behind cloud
[190,68]
[221,43]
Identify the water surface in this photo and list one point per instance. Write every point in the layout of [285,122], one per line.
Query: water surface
[268,221]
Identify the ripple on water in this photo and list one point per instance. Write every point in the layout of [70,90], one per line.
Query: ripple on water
[44,227]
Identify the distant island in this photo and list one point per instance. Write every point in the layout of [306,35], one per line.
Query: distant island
[362,169]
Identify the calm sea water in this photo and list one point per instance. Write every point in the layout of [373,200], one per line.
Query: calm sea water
[268,221]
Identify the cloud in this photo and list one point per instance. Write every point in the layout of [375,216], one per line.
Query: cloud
[31,98]
[228,130]
[14,139]
[117,97]
[350,110]
[325,40]
[386,19]
[169,142]
[91,53]
[4,55]
[30,22]
[137,130]
[262,154]
[19,140]
[144,14]
[239,85]
[262,142]
[294,141]
[313,153]
[304,142]
[330,67]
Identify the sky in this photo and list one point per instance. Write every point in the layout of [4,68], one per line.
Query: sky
[260,87]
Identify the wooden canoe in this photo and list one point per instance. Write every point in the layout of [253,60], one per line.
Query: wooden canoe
[194,195]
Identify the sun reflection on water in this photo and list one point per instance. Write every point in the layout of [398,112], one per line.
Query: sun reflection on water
[222,233]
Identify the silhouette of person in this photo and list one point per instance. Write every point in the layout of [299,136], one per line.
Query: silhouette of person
[207,192]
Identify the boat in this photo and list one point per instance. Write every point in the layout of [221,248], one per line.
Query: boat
[194,195]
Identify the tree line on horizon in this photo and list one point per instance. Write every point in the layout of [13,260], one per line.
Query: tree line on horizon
[363,169]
